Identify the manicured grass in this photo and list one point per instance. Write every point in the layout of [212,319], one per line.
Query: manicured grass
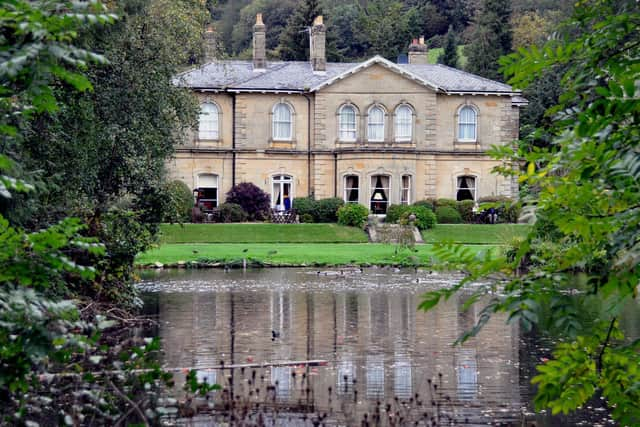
[293,254]
[260,233]
[496,234]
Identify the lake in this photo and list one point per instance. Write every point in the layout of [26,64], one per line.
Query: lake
[376,360]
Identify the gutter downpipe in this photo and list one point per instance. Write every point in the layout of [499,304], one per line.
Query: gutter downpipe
[335,173]
[233,139]
[308,144]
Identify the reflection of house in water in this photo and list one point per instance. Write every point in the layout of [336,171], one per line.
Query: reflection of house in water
[376,343]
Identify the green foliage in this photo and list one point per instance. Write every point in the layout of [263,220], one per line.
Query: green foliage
[582,186]
[449,55]
[294,40]
[465,208]
[451,203]
[353,214]
[426,203]
[231,212]
[306,218]
[425,218]
[328,209]
[180,202]
[306,207]
[448,215]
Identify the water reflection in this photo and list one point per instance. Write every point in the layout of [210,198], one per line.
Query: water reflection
[378,347]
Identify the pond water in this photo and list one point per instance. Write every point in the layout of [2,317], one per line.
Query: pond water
[386,362]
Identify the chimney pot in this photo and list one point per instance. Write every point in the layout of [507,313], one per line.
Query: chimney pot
[210,44]
[317,48]
[421,39]
[259,44]
[259,19]
[418,52]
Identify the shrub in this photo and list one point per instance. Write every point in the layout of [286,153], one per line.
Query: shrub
[446,202]
[327,209]
[180,202]
[465,208]
[353,214]
[252,199]
[425,203]
[231,212]
[394,213]
[425,218]
[306,218]
[448,215]
[306,206]
[511,212]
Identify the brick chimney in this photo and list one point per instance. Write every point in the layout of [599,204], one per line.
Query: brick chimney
[259,44]
[317,50]
[210,44]
[418,52]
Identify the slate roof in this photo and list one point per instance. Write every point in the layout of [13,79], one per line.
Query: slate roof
[298,76]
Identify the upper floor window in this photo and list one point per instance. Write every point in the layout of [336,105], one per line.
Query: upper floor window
[375,126]
[347,123]
[404,123]
[282,129]
[209,121]
[467,124]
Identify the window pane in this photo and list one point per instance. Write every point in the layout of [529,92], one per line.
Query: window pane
[466,188]
[375,128]
[379,194]
[208,123]
[347,123]
[282,124]
[351,189]
[467,124]
[404,123]
[405,195]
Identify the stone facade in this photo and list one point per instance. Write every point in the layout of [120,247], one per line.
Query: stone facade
[317,160]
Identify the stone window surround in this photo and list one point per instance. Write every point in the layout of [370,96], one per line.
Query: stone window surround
[456,131]
[358,120]
[460,174]
[343,180]
[413,123]
[385,120]
[389,124]
[365,187]
[209,100]
[292,140]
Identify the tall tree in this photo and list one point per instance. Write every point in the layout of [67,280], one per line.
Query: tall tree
[294,40]
[491,38]
[449,55]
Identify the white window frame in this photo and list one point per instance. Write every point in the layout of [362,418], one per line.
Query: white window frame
[342,126]
[407,189]
[346,189]
[370,124]
[281,179]
[466,122]
[209,133]
[397,124]
[373,189]
[275,122]
[201,179]
[474,190]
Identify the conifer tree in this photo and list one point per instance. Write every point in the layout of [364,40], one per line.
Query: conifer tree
[491,38]
[294,41]
[449,55]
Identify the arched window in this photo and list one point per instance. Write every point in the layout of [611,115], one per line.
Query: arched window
[467,124]
[281,194]
[375,125]
[347,123]
[209,121]
[466,188]
[282,129]
[351,189]
[404,123]
[207,192]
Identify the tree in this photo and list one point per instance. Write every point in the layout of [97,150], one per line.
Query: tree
[529,28]
[449,55]
[579,266]
[491,38]
[294,40]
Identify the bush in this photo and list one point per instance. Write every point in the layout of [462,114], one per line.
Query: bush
[180,202]
[425,203]
[507,209]
[394,213]
[306,206]
[448,215]
[425,218]
[353,214]
[252,199]
[327,209]
[465,208]
[306,218]
[446,203]
[231,212]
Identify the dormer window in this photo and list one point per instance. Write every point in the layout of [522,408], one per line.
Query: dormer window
[282,126]
[467,124]
[208,122]
[375,125]
[347,123]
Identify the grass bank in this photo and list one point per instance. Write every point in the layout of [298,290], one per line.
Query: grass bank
[260,233]
[294,254]
[475,234]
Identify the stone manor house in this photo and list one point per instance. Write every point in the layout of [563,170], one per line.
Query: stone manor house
[375,132]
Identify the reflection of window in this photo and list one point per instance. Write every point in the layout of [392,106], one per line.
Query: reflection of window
[466,188]
[208,123]
[375,127]
[405,190]
[346,375]
[375,375]
[347,123]
[281,379]
[282,122]
[404,123]
[467,123]
[281,195]
[402,377]
[206,376]
[207,192]
[379,194]
[351,189]
[467,368]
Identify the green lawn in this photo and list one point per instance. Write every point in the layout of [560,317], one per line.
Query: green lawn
[496,234]
[260,233]
[435,52]
[292,254]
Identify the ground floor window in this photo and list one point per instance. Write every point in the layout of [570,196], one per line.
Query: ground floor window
[405,190]
[281,194]
[466,188]
[379,194]
[351,189]
[207,192]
